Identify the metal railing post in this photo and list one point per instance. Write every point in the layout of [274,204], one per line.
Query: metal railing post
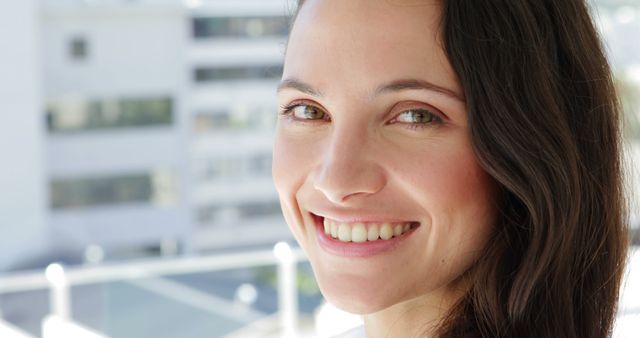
[287,290]
[59,291]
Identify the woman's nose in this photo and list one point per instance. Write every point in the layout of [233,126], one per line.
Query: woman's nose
[348,168]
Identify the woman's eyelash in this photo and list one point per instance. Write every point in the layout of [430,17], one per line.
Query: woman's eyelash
[434,119]
[286,109]
[289,111]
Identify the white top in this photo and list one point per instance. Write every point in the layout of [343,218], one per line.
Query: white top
[357,332]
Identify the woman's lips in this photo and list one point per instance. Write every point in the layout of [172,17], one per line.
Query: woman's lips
[361,239]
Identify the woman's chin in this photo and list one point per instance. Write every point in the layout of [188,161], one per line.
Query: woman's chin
[356,299]
[357,306]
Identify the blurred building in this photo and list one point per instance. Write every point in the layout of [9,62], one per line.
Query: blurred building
[143,125]
[117,139]
[136,126]
[23,202]
[235,62]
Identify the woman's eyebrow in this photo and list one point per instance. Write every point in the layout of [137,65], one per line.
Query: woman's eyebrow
[294,83]
[408,84]
[393,86]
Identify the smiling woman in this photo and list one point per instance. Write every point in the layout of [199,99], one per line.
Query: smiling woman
[451,168]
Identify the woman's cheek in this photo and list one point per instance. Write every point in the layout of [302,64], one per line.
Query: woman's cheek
[292,163]
[278,170]
[289,162]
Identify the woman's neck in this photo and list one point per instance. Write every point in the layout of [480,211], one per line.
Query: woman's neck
[417,317]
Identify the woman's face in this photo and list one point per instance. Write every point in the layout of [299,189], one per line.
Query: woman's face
[372,160]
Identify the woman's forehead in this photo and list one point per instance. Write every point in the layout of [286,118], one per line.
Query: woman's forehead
[382,20]
[368,42]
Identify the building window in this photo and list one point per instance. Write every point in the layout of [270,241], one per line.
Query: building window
[217,214]
[260,72]
[259,209]
[69,115]
[77,193]
[240,27]
[212,120]
[235,118]
[260,165]
[223,214]
[78,48]
[222,167]
[233,167]
[628,87]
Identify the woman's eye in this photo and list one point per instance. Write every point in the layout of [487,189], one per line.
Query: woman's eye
[417,116]
[305,112]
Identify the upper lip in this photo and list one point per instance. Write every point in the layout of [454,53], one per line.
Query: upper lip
[359,217]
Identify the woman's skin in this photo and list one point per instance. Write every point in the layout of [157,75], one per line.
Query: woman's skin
[373,130]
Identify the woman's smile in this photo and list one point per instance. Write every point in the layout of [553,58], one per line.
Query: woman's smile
[361,238]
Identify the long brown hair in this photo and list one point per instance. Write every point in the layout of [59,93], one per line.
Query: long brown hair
[544,122]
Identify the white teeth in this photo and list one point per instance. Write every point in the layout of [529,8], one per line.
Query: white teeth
[360,233]
[385,231]
[397,230]
[344,233]
[372,233]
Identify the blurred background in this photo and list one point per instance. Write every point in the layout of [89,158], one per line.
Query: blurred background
[135,147]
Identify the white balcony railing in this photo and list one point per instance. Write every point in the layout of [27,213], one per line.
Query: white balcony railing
[59,281]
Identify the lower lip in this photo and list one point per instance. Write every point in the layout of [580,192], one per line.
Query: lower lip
[351,249]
